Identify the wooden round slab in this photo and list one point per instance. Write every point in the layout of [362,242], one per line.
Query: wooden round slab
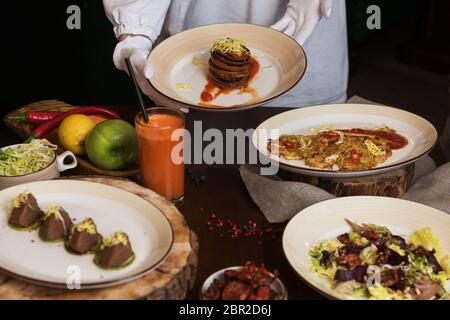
[394,183]
[171,280]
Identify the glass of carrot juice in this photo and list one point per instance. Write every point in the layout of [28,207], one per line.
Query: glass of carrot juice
[161,156]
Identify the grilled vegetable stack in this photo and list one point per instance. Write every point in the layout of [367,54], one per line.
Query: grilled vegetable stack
[230,64]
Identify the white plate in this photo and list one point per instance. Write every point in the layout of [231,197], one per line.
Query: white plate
[25,256]
[325,220]
[264,83]
[421,134]
[282,64]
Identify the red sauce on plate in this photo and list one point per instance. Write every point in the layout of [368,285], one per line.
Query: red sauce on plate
[254,69]
[396,141]
[206,96]
[211,92]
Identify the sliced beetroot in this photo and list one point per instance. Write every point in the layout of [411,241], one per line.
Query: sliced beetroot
[398,240]
[379,244]
[389,277]
[348,260]
[356,274]
[343,238]
[359,273]
[433,261]
[394,259]
[371,234]
[326,259]
[352,248]
[401,282]
[343,275]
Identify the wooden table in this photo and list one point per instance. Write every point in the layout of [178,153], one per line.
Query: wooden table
[224,193]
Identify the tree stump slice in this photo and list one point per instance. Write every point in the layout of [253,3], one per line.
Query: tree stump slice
[394,183]
[172,279]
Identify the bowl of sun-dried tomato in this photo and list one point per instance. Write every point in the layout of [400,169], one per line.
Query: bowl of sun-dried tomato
[247,282]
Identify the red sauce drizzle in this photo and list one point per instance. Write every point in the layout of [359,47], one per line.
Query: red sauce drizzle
[254,69]
[396,141]
[206,96]
[211,92]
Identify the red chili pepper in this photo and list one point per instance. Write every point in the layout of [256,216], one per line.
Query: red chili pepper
[355,156]
[35,117]
[288,144]
[43,129]
[330,134]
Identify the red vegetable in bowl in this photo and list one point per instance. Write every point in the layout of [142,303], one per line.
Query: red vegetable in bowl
[248,283]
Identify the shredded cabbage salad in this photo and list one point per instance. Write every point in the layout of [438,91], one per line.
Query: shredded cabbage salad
[370,262]
[26,158]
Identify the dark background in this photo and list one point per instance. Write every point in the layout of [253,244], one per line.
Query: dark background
[405,64]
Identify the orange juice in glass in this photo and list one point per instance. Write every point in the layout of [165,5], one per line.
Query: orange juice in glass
[160,158]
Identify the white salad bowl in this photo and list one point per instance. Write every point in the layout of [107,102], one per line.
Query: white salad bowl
[52,171]
[326,220]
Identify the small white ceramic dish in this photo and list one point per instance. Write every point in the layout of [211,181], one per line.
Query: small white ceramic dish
[52,171]
[277,285]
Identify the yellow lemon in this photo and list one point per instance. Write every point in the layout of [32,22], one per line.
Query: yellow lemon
[73,131]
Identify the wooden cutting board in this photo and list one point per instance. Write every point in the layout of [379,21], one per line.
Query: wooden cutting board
[84,166]
[172,279]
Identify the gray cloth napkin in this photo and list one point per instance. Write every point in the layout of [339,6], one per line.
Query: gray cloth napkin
[280,200]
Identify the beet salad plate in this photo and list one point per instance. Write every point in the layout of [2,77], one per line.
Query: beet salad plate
[323,226]
[132,220]
[344,140]
[226,66]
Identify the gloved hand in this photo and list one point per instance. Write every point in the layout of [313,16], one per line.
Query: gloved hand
[137,48]
[301,17]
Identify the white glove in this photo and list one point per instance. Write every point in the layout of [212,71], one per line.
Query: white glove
[301,17]
[137,48]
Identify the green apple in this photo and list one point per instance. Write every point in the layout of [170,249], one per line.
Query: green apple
[112,145]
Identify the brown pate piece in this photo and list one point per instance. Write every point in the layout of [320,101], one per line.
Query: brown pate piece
[56,224]
[84,238]
[25,211]
[115,251]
